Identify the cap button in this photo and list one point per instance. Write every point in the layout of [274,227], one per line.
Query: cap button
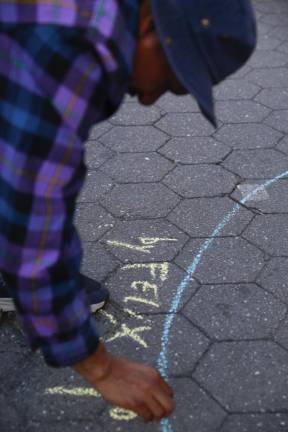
[205,22]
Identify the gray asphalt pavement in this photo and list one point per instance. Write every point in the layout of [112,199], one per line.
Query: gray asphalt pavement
[166,194]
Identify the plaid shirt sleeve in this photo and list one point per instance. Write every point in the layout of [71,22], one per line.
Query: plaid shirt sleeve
[56,81]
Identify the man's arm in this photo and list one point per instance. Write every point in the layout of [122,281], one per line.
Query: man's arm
[133,386]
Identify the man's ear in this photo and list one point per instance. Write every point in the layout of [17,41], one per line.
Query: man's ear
[146,24]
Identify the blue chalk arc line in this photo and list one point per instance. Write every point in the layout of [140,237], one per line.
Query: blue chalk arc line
[162,361]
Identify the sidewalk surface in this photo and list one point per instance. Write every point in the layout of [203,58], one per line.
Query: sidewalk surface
[166,193]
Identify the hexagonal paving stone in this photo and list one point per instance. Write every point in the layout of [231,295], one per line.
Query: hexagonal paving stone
[283,47]
[96,154]
[268,43]
[134,139]
[185,125]
[272,7]
[41,395]
[235,311]
[274,98]
[273,200]
[283,145]
[97,263]
[241,111]
[10,419]
[274,278]
[256,423]
[198,217]
[181,360]
[11,338]
[148,287]
[95,186]
[269,77]
[225,260]
[195,410]
[114,419]
[171,103]
[275,19]
[135,114]
[142,240]
[261,59]
[264,28]
[11,362]
[281,335]
[269,232]
[279,32]
[92,221]
[194,150]
[249,136]
[246,376]
[65,426]
[279,120]
[137,167]
[200,180]
[140,200]
[257,164]
[98,130]
[241,73]
[235,89]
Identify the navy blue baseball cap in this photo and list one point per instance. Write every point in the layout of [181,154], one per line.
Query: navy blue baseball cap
[205,41]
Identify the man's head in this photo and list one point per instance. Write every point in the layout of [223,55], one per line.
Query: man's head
[152,75]
[187,46]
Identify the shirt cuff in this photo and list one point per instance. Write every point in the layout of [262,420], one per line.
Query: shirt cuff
[73,347]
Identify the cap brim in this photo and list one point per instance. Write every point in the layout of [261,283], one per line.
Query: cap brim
[184,55]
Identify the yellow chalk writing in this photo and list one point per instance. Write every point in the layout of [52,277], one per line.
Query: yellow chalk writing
[125,331]
[141,300]
[163,269]
[76,391]
[111,317]
[153,240]
[128,246]
[145,286]
[115,413]
[122,414]
[146,243]
[133,314]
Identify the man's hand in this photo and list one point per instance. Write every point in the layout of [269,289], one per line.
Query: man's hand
[132,386]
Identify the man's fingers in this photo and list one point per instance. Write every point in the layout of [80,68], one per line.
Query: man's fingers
[143,411]
[166,388]
[156,408]
[141,388]
[165,401]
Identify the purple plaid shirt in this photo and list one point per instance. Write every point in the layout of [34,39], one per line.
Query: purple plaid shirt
[52,91]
